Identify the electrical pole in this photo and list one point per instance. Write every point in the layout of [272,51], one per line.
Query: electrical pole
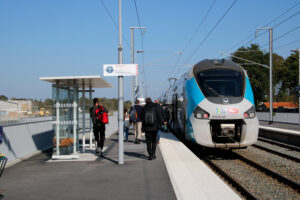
[298,80]
[134,79]
[120,90]
[271,70]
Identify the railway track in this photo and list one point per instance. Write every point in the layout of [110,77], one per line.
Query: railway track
[277,153]
[291,147]
[250,177]
[269,177]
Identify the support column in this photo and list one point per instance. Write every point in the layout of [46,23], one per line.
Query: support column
[57,128]
[91,124]
[83,117]
[74,126]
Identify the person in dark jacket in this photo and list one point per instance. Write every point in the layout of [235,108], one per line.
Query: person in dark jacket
[136,119]
[98,127]
[151,113]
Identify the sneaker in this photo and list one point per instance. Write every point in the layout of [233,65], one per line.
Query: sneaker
[150,158]
[154,157]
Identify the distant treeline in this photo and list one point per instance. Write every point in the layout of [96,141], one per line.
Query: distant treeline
[110,104]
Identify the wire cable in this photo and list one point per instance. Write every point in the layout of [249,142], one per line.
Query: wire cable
[273,20]
[176,71]
[284,45]
[112,19]
[281,36]
[193,36]
[210,32]
[142,36]
[275,26]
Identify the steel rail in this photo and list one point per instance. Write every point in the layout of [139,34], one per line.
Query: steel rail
[295,148]
[231,180]
[277,153]
[269,172]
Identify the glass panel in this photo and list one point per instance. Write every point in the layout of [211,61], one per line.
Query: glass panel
[220,82]
[64,96]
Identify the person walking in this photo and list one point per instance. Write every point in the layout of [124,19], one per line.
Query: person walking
[99,115]
[151,123]
[135,118]
[126,124]
[160,108]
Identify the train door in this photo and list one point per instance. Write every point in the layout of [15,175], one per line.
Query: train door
[174,113]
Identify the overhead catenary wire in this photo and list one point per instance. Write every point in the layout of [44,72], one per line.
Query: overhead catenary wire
[283,35]
[113,20]
[176,71]
[273,20]
[142,37]
[194,34]
[275,26]
[288,44]
[210,32]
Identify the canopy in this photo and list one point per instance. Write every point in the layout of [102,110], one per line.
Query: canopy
[78,81]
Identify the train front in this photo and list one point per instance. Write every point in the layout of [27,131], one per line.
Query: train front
[220,106]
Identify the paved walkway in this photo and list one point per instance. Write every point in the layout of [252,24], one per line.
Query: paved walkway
[103,178]
[294,127]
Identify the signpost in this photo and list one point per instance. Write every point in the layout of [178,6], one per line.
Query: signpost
[120,70]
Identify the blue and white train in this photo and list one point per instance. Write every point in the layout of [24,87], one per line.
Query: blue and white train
[212,104]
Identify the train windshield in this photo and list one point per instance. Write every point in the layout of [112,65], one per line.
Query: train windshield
[221,82]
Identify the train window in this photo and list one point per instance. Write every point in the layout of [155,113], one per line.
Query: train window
[221,82]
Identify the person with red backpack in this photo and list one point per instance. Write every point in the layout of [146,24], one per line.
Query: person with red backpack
[99,115]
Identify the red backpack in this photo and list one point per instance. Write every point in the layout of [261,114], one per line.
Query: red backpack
[101,115]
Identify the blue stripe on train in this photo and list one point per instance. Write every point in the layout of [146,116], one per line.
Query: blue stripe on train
[249,93]
[193,94]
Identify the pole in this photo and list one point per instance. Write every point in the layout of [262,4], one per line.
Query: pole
[57,126]
[91,123]
[74,126]
[83,117]
[132,61]
[271,70]
[271,73]
[120,90]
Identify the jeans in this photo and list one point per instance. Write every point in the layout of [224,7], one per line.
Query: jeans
[158,136]
[126,130]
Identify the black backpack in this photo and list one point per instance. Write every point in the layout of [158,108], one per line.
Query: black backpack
[150,119]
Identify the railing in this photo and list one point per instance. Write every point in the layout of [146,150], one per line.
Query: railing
[8,121]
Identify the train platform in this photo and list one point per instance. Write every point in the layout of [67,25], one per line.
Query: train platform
[293,129]
[280,132]
[176,174]
[278,125]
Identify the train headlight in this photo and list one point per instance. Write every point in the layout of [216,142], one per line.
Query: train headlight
[249,113]
[200,113]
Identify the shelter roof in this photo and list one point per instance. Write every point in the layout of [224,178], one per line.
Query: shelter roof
[79,81]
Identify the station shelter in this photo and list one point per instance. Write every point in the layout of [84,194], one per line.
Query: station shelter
[70,120]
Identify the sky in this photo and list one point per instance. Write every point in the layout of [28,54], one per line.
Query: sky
[76,37]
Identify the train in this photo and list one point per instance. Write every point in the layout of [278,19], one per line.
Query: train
[212,104]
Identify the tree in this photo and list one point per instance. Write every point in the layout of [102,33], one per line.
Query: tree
[287,76]
[4,98]
[258,75]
